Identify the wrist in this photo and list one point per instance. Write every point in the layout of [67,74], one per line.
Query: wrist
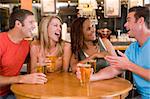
[130,66]
[19,79]
[93,56]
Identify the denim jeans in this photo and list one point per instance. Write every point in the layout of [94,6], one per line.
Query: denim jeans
[8,96]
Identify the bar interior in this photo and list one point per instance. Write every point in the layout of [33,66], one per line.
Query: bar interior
[108,18]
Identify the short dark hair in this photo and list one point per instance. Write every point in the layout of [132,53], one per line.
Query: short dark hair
[141,11]
[20,15]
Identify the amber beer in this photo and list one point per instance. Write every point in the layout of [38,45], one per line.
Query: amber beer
[93,64]
[85,70]
[51,67]
[41,69]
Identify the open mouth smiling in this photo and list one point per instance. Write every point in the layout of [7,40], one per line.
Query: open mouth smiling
[57,34]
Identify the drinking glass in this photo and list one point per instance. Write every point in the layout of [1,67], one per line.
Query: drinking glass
[93,64]
[85,70]
[51,66]
[41,68]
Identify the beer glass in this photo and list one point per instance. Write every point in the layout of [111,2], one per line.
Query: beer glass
[51,66]
[41,68]
[93,64]
[85,70]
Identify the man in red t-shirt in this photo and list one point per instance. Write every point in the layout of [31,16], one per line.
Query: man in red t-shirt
[13,51]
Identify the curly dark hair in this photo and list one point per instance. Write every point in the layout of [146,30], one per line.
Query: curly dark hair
[77,36]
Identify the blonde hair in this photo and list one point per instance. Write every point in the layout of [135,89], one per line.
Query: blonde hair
[43,34]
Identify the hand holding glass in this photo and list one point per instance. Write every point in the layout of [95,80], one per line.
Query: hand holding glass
[51,66]
[93,64]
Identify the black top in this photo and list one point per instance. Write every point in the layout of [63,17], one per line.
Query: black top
[100,62]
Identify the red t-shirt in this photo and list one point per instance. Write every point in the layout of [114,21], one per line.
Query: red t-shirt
[12,57]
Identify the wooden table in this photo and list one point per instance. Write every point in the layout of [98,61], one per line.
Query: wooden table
[66,85]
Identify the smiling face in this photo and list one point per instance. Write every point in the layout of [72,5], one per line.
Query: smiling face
[28,26]
[132,25]
[54,29]
[89,31]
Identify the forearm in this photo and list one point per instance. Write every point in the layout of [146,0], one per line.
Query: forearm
[66,56]
[33,63]
[34,56]
[111,51]
[96,55]
[35,78]
[87,59]
[33,67]
[8,80]
[106,73]
[144,73]
[66,61]
[109,47]
[65,65]
[105,53]
[59,65]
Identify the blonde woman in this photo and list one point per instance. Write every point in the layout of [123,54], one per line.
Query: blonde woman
[49,43]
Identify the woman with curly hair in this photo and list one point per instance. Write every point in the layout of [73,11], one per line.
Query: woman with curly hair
[86,46]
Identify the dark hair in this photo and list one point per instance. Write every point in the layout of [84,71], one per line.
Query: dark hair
[15,8]
[77,36]
[20,15]
[141,12]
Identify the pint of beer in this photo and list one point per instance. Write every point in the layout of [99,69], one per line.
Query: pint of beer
[51,66]
[93,64]
[85,70]
[41,69]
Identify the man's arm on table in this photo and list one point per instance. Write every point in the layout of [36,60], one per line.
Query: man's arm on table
[38,78]
[106,73]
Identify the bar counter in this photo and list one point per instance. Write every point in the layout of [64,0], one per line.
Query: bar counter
[120,47]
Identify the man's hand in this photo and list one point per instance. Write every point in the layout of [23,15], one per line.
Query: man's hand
[35,78]
[119,62]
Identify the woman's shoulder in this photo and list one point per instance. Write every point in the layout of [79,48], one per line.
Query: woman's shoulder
[64,44]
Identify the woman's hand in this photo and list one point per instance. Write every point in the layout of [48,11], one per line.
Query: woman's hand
[78,73]
[59,63]
[100,54]
[57,60]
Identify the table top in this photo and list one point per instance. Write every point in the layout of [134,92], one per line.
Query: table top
[67,85]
